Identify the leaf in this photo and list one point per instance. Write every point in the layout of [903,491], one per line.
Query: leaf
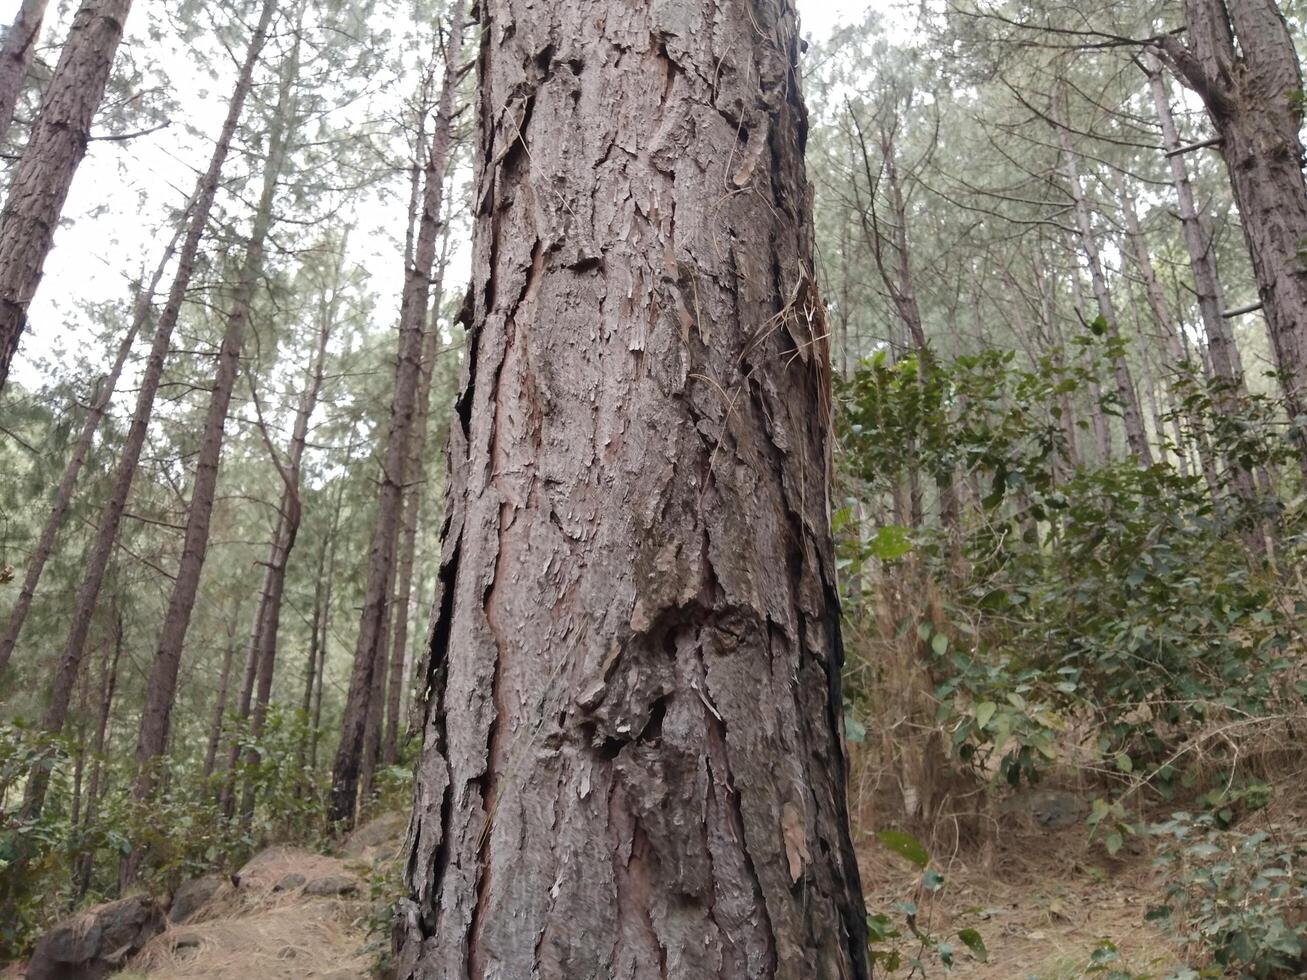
[984,712]
[1113,842]
[939,643]
[890,543]
[905,846]
[1124,763]
[971,939]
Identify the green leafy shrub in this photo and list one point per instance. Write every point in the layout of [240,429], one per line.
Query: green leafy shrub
[1238,898]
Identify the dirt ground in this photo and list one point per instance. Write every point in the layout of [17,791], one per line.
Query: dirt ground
[1044,903]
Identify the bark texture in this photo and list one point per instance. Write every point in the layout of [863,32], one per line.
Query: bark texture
[16,57]
[1239,57]
[632,761]
[53,153]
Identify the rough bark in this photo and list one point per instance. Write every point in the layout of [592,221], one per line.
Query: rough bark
[63,494]
[370,651]
[161,686]
[130,454]
[16,57]
[1132,416]
[51,158]
[1239,57]
[632,762]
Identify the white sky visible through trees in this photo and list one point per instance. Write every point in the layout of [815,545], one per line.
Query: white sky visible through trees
[114,226]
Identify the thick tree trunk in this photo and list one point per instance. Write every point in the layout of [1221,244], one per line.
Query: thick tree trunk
[50,159]
[16,57]
[370,652]
[63,495]
[632,761]
[1239,57]
[130,454]
[161,687]
[1131,414]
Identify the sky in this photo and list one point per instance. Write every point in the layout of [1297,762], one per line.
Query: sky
[108,240]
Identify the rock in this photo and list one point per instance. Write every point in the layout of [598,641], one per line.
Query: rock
[191,896]
[187,942]
[288,882]
[388,829]
[332,885]
[1055,809]
[90,946]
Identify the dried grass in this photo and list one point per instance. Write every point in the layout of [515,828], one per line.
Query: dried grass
[250,932]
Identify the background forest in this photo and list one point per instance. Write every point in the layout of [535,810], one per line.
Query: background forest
[1069,458]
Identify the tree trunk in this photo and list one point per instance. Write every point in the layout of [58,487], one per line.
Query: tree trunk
[63,495]
[130,454]
[291,509]
[108,683]
[16,57]
[220,702]
[415,479]
[161,687]
[370,652]
[632,760]
[1131,414]
[1170,328]
[1239,57]
[53,153]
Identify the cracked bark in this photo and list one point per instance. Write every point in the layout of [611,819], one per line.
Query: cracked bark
[632,763]
[53,153]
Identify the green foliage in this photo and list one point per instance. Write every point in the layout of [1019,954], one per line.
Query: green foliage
[1238,895]
[50,864]
[913,945]
[1107,591]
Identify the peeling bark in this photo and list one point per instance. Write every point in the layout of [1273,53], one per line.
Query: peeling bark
[632,761]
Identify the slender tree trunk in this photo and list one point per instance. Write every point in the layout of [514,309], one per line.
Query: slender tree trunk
[370,652]
[1170,329]
[220,702]
[1131,415]
[1239,57]
[632,760]
[50,159]
[316,727]
[85,864]
[291,509]
[161,687]
[63,495]
[111,514]
[16,57]
[416,482]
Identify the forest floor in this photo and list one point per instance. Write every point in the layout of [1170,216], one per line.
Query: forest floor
[1041,900]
